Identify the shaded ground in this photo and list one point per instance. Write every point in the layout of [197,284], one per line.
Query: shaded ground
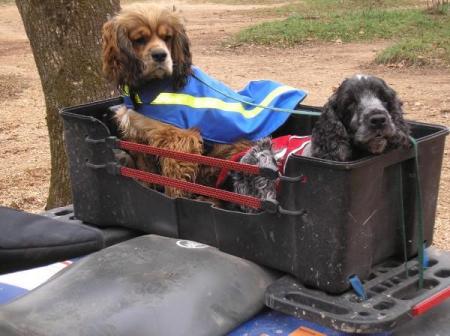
[24,152]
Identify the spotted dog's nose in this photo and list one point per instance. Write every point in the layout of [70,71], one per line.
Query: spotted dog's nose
[377,120]
[159,55]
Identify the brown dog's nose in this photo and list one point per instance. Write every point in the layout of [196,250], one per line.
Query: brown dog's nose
[159,55]
[377,121]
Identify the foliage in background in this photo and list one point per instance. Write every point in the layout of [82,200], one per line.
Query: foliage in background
[437,6]
[421,36]
[320,7]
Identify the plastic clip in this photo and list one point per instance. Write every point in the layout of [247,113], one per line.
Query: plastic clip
[358,287]
[95,166]
[94,141]
[284,211]
[112,142]
[291,179]
[269,173]
[112,168]
[271,206]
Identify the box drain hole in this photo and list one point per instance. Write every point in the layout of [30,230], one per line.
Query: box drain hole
[411,291]
[443,273]
[384,305]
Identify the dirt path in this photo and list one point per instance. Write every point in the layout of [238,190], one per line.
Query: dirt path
[24,152]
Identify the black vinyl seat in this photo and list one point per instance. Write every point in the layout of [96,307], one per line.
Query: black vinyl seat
[29,240]
[150,285]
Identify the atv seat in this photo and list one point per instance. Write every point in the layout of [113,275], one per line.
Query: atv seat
[28,240]
[150,285]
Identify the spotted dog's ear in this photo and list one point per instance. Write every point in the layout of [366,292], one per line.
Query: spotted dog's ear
[181,56]
[251,156]
[395,109]
[330,139]
[120,64]
[264,144]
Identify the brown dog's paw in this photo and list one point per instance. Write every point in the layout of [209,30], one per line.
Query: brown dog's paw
[124,159]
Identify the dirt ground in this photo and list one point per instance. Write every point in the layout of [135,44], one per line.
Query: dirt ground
[24,150]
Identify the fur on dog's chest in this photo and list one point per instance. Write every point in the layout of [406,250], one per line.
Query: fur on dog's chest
[214,108]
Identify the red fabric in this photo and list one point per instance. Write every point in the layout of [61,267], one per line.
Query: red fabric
[283,147]
[288,145]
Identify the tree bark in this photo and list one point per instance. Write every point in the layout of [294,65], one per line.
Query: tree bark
[65,36]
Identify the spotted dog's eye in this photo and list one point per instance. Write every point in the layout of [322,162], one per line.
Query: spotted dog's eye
[351,105]
[140,41]
[384,102]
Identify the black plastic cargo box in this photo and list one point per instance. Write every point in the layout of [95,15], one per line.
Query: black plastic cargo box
[351,218]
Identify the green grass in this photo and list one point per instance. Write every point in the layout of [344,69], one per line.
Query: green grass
[421,38]
[319,7]
[354,26]
[412,51]
[429,45]
[430,48]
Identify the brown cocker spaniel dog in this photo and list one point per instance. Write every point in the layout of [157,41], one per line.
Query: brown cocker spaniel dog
[146,42]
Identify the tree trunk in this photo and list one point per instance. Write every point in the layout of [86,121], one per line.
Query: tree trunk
[65,36]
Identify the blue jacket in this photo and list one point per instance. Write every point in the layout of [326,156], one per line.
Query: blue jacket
[215,109]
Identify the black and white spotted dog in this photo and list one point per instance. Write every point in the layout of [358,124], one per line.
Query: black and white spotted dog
[263,156]
[364,116]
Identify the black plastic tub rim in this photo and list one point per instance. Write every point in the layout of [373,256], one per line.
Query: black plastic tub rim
[371,159]
[348,165]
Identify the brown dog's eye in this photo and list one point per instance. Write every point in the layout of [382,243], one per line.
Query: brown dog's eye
[167,38]
[140,41]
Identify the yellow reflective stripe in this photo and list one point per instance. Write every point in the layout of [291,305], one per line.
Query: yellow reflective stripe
[137,99]
[215,103]
[126,92]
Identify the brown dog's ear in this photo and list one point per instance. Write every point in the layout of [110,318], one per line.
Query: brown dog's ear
[182,58]
[120,64]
